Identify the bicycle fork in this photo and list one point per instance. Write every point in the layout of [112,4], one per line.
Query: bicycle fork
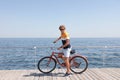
[50,59]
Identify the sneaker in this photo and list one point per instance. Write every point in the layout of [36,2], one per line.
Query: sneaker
[67,74]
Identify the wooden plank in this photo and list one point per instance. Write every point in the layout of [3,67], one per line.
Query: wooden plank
[95,75]
[111,73]
[63,70]
[89,75]
[75,77]
[104,75]
[58,74]
[114,71]
[24,75]
[54,74]
[2,74]
[37,75]
[40,76]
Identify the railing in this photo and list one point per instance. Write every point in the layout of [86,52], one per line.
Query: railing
[27,57]
[102,56]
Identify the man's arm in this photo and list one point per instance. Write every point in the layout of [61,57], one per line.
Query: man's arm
[57,40]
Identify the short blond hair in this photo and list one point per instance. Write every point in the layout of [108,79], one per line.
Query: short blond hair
[62,27]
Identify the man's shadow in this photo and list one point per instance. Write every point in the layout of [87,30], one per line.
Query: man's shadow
[43,74]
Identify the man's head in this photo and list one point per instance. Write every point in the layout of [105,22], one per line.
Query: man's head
[62,27]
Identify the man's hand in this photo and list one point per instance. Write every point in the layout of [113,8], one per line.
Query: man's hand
[54,41]
[59,48]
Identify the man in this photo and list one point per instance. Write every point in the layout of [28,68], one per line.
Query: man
[66,47]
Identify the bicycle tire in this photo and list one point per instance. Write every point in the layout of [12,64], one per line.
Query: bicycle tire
[82,64]
[43,65]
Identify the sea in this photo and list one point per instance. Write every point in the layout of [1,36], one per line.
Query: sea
[24,53]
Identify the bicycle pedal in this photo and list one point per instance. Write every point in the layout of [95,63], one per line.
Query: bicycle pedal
[78,64]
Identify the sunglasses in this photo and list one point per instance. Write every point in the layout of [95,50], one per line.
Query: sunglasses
[62,29]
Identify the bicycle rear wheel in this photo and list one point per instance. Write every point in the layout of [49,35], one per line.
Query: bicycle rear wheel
[46,64]
[78,64]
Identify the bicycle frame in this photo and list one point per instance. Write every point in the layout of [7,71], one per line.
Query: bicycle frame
[56,58]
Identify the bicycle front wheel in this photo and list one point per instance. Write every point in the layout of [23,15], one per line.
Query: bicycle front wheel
[78,64]
[47,64]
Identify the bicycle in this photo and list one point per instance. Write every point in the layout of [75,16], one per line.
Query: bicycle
[78,63]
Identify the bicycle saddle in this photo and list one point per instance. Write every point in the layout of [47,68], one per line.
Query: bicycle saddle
[72,51]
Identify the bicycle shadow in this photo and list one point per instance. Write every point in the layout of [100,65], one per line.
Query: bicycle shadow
[42,74]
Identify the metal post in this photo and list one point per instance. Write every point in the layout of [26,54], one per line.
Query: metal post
[104,56]
[35,61]
[103,59]
[35,56]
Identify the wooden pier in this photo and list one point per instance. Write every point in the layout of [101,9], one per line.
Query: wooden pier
[58,74]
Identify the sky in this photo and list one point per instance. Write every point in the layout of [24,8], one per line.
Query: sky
[42,18]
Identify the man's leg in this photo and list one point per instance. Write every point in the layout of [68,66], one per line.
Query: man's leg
[67,64]
[66,60]
[66,57]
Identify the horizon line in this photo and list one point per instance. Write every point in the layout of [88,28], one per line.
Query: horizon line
[57,37]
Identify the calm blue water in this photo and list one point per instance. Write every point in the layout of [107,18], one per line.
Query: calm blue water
[19,53]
